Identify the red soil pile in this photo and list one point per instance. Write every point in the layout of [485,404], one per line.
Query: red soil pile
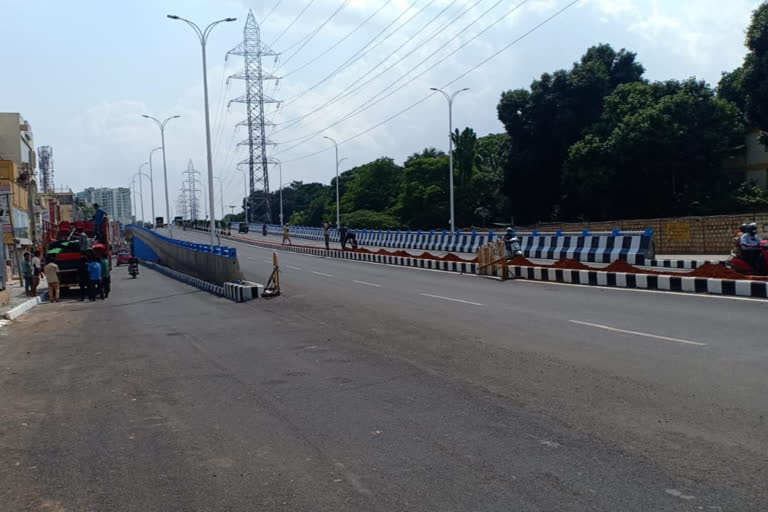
[521,261]
[401,254]
[453,257]
[623,266]
[712,270]
[570,264]
[426,256]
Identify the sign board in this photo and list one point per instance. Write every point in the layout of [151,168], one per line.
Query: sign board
[677,231]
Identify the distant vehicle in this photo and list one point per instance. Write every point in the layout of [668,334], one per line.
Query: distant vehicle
[60,240]
[178,220]
[123,258]
[159,222]
[242,228]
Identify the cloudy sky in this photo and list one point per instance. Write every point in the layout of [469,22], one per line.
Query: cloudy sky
[83,71]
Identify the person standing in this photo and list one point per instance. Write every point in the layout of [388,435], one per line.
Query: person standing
[98,221]
[94,282]
[82,238]
[106,280]
[37,270]
[327,236]
[343,238]
[83,277]
[52,276]
[26,272]
[287,235]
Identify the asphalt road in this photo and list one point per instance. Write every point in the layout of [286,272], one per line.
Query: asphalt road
[368,387]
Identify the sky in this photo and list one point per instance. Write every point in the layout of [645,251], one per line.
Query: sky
[82,72]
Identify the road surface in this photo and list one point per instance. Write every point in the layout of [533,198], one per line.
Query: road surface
[368,387]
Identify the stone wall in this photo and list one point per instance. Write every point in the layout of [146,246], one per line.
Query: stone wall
[682,235]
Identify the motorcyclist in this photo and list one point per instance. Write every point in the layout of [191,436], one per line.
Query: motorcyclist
[133,264]
[510,239]
[750,249]
[737,240]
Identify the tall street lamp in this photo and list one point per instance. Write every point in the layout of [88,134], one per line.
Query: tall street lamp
[221,197]
[203,37]
[141,188]
[245,192]
[152,185]
[450,99]
[338,214]
[161,125]
[133,193]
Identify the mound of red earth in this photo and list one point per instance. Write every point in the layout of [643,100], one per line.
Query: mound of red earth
[712,270]
[570,264]
[520,261]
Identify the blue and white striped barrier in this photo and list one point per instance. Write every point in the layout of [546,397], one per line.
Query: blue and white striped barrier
[243,291]
[220,250]
[636,247]
[185,278]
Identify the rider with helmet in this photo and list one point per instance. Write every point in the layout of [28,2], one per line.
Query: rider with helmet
[512,243]
[750,248]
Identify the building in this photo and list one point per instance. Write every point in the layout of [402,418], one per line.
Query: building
[18,186]
[751,160]
[115,201]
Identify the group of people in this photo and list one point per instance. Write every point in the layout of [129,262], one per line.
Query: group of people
[93,274]
[32,271]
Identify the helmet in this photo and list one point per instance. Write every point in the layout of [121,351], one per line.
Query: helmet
[752,228]
[743,227]
[510,230]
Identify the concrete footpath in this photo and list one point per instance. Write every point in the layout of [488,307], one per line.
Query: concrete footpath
[371,388]
[20,302]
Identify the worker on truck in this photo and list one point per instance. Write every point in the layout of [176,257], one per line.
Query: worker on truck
[98,221]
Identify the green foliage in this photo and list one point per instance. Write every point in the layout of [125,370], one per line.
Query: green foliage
[544,122]
[752,197]
[464,153]
[370,220]
[372,186]
[658,149]
[423,198]
[755,79]
[731,88]
[87,212]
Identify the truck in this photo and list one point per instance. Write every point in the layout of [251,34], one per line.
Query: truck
[60,240]
[159,222]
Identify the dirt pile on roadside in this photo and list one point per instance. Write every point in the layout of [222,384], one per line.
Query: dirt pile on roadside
[570,264]
[713,270]
[521,261]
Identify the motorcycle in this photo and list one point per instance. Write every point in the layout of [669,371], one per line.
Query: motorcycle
[133,269]
[513,247]
[742,266]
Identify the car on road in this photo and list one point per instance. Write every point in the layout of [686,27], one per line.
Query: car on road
[123,258]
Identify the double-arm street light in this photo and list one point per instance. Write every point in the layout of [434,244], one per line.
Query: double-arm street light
[203,37]
[338,214]
[450,98]
[141,188]
[161,125]
[152,185]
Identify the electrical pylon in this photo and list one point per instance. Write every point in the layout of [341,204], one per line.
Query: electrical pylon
[252,50]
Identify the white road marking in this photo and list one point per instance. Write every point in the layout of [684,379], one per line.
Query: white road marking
[449,298]
[322,274]
[367,284]
[294,268]
[252,258]
[635,333]
[267,261]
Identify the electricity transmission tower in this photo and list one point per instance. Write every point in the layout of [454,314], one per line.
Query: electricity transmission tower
[182,203]
[191,190]
[252,50]
[46,168]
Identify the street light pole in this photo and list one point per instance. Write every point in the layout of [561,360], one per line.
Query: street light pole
[221,197]
[245,191]
[450,99]
[280,168]
[203,37]
[161,125]
[133,193]
[338,214]
[152,185]
[141,189]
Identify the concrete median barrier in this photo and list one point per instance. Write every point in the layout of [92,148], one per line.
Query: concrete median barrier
[212,264]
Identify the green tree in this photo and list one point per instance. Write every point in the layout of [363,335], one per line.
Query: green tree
[370,220]
[373,186]
[755,79]
[731,88]
[657,151]
[464,154]
[544,122]
[423,199]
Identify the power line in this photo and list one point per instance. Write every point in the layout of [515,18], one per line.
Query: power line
[286,29]
[314,33]
[294,121]
[367,104]
[277,4]
[448,84]
[315,59]
[358,55]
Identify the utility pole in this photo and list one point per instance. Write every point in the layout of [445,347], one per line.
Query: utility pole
[338,214]
[152,186]
[252,49]
[161,125]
